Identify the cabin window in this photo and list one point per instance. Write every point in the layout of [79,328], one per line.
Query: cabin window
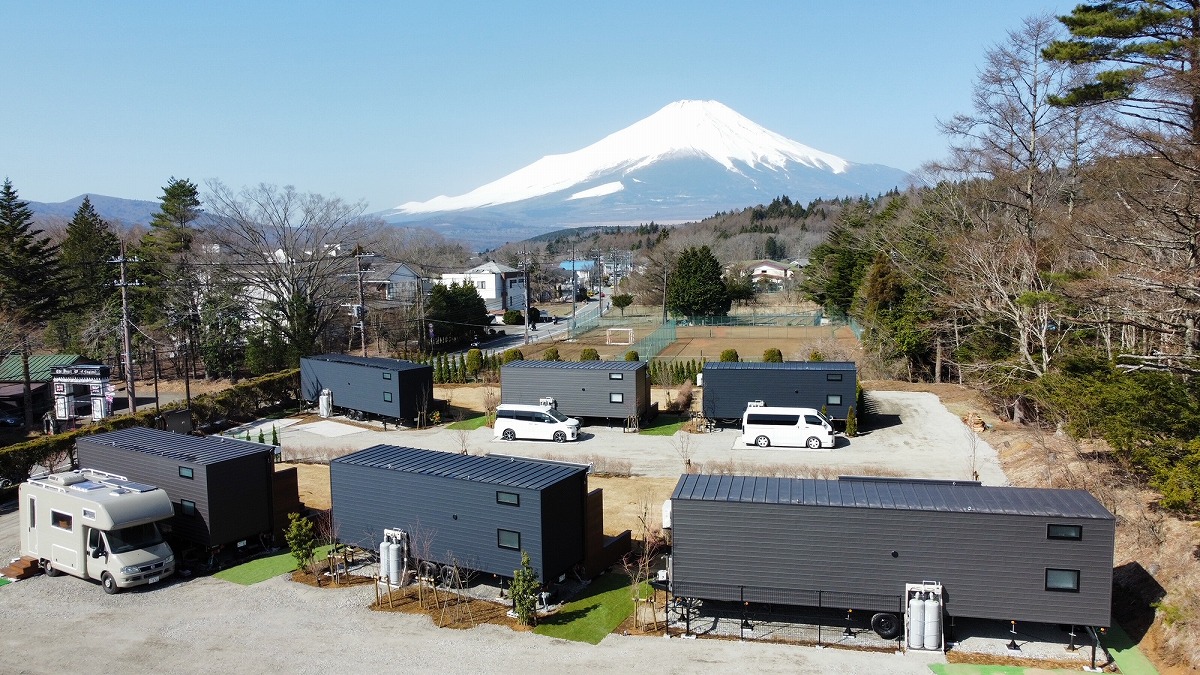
[510,498]
[186,472]
[89,514]
[508,539]
[387,396]
[60,520]
[387,376]
[833,399]
[616,376]
[1070,532]
[833,377]
[616,397]
[1064,581]
[32,512]
[187,507]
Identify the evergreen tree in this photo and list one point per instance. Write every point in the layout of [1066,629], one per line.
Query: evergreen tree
[33,287]
[171,287]
[93,327]
[696,287]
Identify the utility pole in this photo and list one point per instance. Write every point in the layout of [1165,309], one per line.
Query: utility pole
[525,268]
[574,291]
[359,311]
[125,337]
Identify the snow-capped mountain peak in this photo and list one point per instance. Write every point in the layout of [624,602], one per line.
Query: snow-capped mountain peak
[697,129]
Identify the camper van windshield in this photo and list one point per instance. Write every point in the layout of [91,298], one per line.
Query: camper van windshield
[132,538]
[555,415]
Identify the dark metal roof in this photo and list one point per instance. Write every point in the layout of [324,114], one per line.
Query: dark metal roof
[508,471]
[901,494]
[370,361]
[194,449]
[577,365]
[786,365]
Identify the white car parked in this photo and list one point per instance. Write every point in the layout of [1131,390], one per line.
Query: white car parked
[515,421]
[795,427]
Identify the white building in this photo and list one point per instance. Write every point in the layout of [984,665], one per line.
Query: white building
[500,286]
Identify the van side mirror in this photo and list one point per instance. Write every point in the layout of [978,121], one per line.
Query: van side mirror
[97,552]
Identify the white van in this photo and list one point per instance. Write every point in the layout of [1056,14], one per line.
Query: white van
[515,421]
[795,427]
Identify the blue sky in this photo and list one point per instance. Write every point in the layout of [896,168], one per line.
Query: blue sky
[388,102]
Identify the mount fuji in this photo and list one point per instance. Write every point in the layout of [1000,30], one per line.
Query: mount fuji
[685,162]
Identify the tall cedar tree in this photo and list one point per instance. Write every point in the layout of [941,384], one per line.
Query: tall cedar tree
[455,313]
[33,287]
[168,275]
[85,254]
[696,287]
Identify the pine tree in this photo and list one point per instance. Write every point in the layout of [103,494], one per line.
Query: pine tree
[170,288]
[696,287]
[32,284]
[84,255]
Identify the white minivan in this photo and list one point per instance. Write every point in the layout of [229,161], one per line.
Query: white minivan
[515,421]
[795,427]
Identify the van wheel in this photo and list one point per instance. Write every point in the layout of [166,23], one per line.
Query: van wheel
[509,435]
[560,437]
[813,442]
[50,569]
[109,583]
[886,625]
[762,442]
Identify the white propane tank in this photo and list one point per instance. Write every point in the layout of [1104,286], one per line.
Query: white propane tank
[916,622]
[666,515]
[325,403]
[933,623]
[394,565]
[385,554]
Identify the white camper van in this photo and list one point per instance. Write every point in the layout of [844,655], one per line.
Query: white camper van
[514,421]
[795,427]
[96,525]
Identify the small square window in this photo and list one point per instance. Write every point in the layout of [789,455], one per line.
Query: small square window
[508,539]
[187,507]
[510,498]
[833,377]
[1063,581]
[387,375]
[186,472]
[833,399]
[387,396]
[89,514]
[616,376]
[616,397]
[1070,532]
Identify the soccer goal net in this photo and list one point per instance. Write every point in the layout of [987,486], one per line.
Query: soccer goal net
[619,336]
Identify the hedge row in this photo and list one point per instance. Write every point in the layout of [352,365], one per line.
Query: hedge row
[239,402]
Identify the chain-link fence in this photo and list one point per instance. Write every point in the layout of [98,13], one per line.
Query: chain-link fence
[649,346]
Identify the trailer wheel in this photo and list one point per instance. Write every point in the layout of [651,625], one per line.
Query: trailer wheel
[49,569]
[509,435]
[109,583]
[560,437]
[886,625]
[813,442]
[762,442]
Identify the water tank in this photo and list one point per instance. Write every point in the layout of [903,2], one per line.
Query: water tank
[916,622]
[699,379]
[325,403]
[933,623]
[395,563]
[385,556]
[666,515]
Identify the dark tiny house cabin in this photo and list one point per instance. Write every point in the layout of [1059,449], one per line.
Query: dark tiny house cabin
[475,512]
[611,389]
[1006,553]
[728,387]
[222,488]
[388,388]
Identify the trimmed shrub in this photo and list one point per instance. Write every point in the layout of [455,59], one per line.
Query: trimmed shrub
[551,354]
[589,354]
[772,355]
[632,355]
[851,422]
[729,356]
[511,355]
[513,318]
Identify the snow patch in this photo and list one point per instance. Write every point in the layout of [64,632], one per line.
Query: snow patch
[599,191]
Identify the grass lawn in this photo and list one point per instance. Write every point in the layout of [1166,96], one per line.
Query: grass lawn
[596,613]
[264,568]
[470,424]
[664,425]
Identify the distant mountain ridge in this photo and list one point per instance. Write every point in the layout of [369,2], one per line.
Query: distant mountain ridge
[685,162]
[112,209]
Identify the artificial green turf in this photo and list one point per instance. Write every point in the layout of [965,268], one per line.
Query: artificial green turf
[264,568]
[602,607]
[664,425]
[980,669]
[4,582]
[1129,658]
[470,424]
